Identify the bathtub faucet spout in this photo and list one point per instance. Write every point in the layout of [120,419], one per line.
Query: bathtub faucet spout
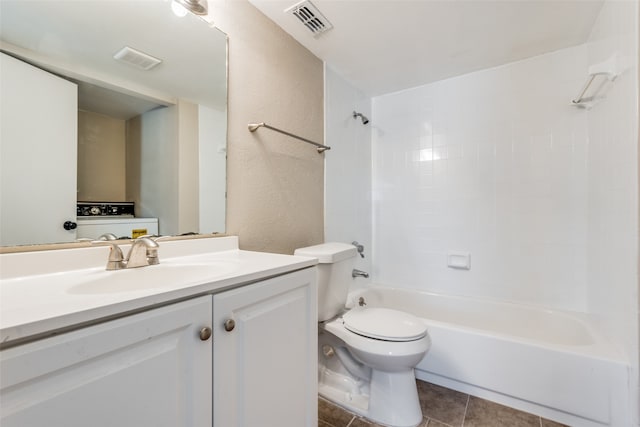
[359,273]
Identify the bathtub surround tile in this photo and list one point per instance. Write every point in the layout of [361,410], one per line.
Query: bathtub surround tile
[502,175]
[613,199]
[483,413]
[442,404]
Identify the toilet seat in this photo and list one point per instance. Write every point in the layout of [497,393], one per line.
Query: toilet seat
[384,324]
[382,354]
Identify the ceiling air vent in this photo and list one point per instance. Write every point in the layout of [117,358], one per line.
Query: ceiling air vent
[138,59]
[311,17]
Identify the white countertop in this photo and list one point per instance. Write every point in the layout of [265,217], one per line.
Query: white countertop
[51,295]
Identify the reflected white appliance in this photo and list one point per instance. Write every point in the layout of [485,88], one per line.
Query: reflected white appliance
[94,227]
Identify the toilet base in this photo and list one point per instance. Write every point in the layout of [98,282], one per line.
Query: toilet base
[390,407]
[388,397]
[390,400]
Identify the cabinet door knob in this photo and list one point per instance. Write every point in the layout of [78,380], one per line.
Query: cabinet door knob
[69,225]
[229,324]
[205,333]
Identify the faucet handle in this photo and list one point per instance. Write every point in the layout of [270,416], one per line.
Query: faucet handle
[152,250]
[359,247]
[116,257]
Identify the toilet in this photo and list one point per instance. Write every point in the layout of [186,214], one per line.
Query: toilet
[366,354]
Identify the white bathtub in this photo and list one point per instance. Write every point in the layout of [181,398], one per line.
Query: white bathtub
[547,362]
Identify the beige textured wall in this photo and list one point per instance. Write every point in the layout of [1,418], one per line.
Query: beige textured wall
[101,158]
[275,184]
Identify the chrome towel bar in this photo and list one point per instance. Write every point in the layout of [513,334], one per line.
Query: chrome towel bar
[254,127]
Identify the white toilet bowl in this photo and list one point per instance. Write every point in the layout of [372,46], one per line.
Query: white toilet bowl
[386,366]
[366,355]
[399,348]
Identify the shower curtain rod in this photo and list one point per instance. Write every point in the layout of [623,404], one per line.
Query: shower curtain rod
[254,127]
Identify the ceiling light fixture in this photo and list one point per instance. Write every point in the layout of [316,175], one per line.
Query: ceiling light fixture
[197,7]
[178,9]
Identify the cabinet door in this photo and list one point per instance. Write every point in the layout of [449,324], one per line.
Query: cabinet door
[148,369]
[38,154]
[265,368]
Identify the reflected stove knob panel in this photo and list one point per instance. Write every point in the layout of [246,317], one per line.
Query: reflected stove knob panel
[98,218]
[104,209]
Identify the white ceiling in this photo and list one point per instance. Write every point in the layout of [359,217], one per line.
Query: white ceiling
[383,46]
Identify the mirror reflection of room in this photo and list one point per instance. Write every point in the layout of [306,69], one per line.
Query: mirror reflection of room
[104,209]
[134,150]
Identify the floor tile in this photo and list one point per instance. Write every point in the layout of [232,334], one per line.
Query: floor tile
[433,423]
[549,423]
[442,404]
[482,413]
[332,415]
[361,422]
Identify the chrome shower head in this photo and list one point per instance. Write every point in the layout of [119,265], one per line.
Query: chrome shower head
[362,117]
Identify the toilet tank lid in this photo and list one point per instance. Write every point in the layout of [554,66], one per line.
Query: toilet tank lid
[328,252]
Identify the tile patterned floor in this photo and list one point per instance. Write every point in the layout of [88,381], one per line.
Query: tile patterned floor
[442,407]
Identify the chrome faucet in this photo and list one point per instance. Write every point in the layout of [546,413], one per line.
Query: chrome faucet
[143,252]
[116,259]
[359,273]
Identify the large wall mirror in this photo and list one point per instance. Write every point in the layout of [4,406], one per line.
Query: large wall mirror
[113,119]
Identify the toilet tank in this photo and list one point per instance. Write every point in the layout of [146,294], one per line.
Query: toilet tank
[335,264]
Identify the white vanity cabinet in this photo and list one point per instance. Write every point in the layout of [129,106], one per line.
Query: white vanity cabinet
[233,352]
[146,369]
[265,353]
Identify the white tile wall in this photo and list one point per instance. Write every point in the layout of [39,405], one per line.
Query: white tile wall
[347,167]
[612,273]
[493,163]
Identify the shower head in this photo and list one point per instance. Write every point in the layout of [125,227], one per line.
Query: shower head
[362,117]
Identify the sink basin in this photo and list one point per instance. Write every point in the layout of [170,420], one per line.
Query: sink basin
[151,277]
